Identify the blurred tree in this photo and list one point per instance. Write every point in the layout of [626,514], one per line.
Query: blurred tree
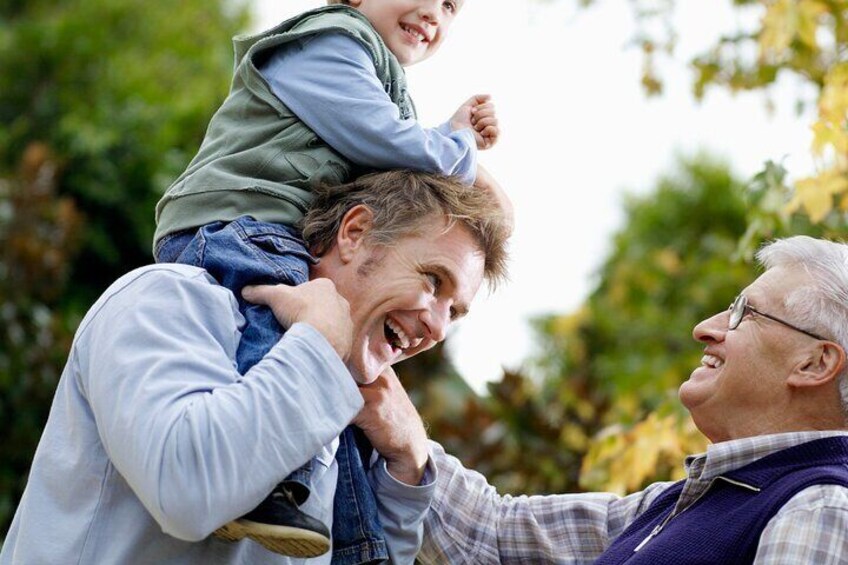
[40,233]
[121,91]
[802,39]
[615,359]
[102,103]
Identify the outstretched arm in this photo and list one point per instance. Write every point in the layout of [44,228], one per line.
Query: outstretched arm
[331,85]
[469,522]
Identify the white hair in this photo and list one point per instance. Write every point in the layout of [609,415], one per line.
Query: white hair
[822,306]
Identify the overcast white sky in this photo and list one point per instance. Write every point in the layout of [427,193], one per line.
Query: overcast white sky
[577,133]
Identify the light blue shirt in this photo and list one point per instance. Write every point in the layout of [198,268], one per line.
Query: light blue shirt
[154,440]
[329,82]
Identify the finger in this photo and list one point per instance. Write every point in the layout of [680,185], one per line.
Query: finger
[490,132]
[263,293]
[483,123]
[484,115]
[488,107]
[476,100]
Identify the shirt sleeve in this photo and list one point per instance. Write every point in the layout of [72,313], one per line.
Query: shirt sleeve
[198,443]
[469,522]
[812,527]
[329,82]
[401,509]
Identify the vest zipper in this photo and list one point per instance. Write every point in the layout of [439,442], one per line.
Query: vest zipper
[658,528]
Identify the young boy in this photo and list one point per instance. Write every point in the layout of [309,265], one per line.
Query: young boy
[320,98]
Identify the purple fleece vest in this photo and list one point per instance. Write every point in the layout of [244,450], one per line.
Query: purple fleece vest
[725,524]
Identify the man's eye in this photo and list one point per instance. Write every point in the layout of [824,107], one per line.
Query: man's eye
[434,280]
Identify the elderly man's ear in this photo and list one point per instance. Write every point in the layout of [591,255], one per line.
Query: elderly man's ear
[822,363]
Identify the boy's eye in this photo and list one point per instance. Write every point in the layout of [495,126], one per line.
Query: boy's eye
[450,5]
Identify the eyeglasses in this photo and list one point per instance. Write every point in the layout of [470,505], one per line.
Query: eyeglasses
[740,308]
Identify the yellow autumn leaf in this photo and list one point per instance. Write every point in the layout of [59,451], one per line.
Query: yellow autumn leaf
[778,28]
[811,193]
[826,136]
[833,102]
[809,15]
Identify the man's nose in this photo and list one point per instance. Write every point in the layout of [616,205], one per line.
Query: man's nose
[436,320]
[713,329]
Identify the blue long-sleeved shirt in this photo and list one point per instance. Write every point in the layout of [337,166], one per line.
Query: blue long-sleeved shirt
[154,440]
[329,82]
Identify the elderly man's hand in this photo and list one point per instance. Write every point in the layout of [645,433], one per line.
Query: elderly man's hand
[316,303]
[393,426]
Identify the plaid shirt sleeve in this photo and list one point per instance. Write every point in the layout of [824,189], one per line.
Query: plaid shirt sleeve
[469,522]
[811,528]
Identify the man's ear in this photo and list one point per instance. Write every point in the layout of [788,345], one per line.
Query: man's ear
[823,364]
[353,230]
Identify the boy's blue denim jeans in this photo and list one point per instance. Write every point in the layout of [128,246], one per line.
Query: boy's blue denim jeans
[245,252]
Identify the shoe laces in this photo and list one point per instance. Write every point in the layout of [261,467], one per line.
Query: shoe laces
[285,493]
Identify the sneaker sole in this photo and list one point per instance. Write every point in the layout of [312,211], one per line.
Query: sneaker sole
[284,540]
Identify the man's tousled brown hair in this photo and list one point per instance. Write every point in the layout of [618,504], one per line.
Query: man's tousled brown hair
[401,202]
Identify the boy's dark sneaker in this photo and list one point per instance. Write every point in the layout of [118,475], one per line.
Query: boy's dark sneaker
[280,526]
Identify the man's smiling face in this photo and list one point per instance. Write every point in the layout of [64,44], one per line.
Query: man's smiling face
[740,387]
[404,296]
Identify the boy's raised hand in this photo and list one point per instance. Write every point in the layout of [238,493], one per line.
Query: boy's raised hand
[316,303]
[478,113]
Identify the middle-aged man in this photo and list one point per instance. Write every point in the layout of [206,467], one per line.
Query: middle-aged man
[154,439]
[771,393]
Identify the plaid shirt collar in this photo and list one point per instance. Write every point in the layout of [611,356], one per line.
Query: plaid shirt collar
[729,455]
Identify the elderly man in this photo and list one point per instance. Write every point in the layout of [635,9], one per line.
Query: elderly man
[770,393]
[155,440]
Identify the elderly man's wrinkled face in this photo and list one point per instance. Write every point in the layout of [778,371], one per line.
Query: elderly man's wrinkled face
[739,388]
[404,297]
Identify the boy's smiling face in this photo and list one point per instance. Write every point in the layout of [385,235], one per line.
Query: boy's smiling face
[412,29]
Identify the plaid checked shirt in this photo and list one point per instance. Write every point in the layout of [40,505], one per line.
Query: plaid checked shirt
[469,522]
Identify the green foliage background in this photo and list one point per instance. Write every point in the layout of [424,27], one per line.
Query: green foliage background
[102,104]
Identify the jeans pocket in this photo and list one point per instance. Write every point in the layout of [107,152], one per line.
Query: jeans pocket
[286,256]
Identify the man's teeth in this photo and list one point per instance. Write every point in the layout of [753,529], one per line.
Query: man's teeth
[402,339]
[711,361]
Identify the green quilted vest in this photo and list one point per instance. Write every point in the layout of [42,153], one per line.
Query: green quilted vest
[258,158]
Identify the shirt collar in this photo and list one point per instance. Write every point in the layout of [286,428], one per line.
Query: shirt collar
[728,455]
